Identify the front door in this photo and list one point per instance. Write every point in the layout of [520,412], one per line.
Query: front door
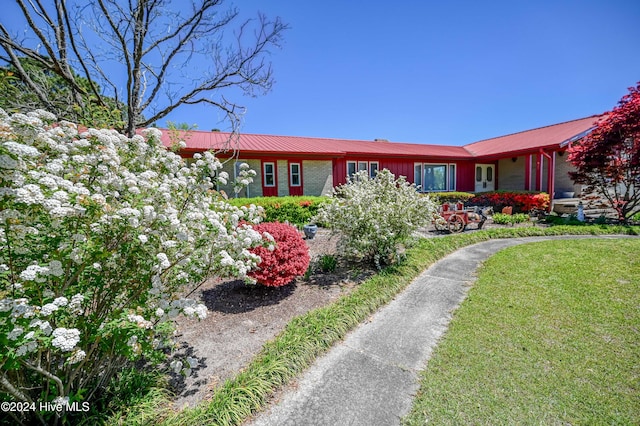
[485,177]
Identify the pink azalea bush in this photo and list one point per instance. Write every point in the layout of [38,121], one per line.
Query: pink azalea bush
[286,258]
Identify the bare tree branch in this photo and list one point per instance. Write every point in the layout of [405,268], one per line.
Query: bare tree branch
[152,51]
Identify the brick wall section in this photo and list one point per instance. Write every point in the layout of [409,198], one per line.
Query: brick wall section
[254,189]
[283,178]
[511,174]
[563,181]
[317,177]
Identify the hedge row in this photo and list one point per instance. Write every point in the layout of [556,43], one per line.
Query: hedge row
[451,197]
[300,210]
[294,210]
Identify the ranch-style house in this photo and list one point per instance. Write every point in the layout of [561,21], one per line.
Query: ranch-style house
[532,160]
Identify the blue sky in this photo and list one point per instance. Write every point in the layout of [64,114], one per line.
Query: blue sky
[445,72]
[441,72]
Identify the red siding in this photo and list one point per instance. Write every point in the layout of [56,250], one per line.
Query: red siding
[398,168]
[270,191]
[465,176]
[464,170]
[295,190]
[339,171]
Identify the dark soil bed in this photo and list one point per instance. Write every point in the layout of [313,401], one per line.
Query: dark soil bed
[243,317]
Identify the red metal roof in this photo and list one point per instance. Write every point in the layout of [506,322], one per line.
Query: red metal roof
[552,136]
[296,145]
[532,140]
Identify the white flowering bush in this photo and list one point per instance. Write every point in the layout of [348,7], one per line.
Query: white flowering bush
[99,236]
[375,218]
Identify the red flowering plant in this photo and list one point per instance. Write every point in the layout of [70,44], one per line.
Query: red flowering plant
[522,202]
[282,261]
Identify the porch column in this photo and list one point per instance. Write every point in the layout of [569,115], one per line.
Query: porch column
[551,174]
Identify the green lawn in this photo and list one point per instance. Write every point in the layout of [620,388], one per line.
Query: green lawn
[549,334]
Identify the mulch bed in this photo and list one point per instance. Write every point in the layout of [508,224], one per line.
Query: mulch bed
[242,318]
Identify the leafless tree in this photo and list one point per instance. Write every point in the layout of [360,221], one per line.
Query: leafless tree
[150,56]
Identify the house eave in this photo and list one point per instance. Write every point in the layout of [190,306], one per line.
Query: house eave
[569,141]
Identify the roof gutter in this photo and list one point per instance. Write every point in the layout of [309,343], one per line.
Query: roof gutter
[577,137]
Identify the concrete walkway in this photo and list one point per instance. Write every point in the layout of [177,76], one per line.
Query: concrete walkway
[371,377]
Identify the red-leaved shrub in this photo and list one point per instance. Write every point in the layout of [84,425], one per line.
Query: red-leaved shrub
[288,260]
[522,202]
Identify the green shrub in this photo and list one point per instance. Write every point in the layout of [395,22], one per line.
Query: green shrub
[450,197]
[376,217]
[294,210]
[327,263]
[566,220]
[510,219]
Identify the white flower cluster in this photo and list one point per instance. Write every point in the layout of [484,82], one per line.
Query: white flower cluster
[244,178]
[44,326]
[19,308]
[65,339]
[32,272]
[39,273]
[77,356]
[26,348]
[189,307]
[50,308]
[140,321]
[75,306]
[15,333]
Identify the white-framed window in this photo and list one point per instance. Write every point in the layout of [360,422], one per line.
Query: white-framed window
[371,167]
[435,177]
[294,174]
[269,174]
[351,169]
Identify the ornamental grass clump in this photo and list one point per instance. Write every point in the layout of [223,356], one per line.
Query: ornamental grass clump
[284,258]
[100,235]
[376,217]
